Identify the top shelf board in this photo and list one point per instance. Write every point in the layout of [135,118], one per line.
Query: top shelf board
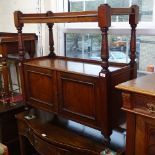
[104,11]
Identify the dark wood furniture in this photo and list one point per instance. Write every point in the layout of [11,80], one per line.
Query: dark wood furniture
[56,137]
[8,123]
[8,126]
[59,86]
[78,89]
[4,75]
[139,104]
[11,42]
[8,52]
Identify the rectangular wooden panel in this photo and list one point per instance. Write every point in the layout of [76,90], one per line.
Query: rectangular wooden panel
[77,97]
[145,136]
[41,88]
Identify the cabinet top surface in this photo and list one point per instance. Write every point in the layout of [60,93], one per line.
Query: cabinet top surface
[69,66]
[143,85]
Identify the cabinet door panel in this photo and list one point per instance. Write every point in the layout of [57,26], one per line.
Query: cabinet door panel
[145,136]
[78,97]
[41,88]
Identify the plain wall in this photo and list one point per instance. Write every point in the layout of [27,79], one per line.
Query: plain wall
[7,9]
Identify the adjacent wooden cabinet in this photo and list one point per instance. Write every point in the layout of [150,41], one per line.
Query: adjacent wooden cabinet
[145,136]
[11,42]
[139,104]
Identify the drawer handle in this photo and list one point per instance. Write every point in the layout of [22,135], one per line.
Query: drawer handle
[150,107]
[43,135]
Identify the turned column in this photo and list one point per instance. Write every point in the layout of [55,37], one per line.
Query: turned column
[104,21]
[21,50]
[133,44]
[104,51]
[133,21]
[19,26]
[51,40]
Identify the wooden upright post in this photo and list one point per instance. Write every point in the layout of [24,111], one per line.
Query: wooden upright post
[19,26]
[133,21]
[104,21]
[21,52]
[5,92]
[51,39]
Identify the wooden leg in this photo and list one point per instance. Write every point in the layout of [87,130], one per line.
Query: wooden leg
[18,78]
[22,145]
[107,139]
[6,81]
[10,79]
[31,48]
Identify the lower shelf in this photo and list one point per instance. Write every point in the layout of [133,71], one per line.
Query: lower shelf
[58,137]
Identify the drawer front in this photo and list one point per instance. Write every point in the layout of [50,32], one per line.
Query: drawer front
[45,148]
[144,104]
[41,88]
[42,147]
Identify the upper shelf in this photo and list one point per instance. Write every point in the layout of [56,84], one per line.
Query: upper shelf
[103,14]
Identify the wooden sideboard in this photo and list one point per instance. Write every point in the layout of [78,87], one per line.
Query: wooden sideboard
[76,89]
[11,42]
[139,104]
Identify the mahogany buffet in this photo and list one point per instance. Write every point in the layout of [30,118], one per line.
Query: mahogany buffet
[78,89]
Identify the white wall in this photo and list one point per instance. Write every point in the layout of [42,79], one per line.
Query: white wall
[7,9]
[54,6]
